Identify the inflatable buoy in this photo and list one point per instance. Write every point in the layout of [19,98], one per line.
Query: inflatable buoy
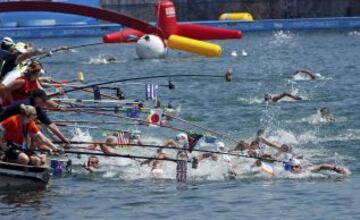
[150,47]
[194,46]
[244,16]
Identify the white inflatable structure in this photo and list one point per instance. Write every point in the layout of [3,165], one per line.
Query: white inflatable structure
[150,47]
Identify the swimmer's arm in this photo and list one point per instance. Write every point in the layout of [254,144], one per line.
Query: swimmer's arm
[92,146]
[309,73]
[318,168]
[105,149]
[148,161]
[90,169]
[269,143]
[291,96]
[170,143]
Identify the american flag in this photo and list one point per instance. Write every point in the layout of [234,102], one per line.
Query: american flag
[123,138]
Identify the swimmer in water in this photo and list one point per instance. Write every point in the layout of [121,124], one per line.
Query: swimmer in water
[180,140]
[295,167]
[110,143]
[111,59]
[157,163]
[252,148]
[276,98]
[92,164]
[311,74]
[325,114]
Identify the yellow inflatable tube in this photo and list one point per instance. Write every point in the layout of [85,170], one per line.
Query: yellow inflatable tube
[243,16]
[194,46]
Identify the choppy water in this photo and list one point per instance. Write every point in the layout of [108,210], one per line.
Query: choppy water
[123,190]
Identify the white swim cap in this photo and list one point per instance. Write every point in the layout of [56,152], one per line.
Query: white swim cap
[220,146]
[295,162]
[7,41]
[182,138]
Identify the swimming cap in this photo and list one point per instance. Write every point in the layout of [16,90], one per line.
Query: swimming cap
[182,138]
[220,146]
[295,162]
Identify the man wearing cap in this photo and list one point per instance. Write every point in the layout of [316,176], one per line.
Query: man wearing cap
[37,99]
[14,55]
[6,45]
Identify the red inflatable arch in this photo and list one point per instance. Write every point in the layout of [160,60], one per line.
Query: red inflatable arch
[83,10]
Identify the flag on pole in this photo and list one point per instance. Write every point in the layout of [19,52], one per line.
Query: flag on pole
[123,138]
[151,91]
[154,117]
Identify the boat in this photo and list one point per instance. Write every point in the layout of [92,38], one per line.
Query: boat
[14,175]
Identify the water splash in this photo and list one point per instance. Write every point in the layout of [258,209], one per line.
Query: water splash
[104,59]
[354,33]
[303,77]
[283,37]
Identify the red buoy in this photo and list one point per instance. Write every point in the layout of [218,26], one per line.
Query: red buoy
[166,17]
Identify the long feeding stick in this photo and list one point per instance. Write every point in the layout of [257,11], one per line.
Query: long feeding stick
[122,156]
[135,79]
[177,148]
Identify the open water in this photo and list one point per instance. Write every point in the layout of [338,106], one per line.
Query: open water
[124,190]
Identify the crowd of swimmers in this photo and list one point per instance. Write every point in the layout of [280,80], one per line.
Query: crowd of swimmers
[24,100]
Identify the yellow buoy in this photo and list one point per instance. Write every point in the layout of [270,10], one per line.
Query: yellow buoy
[80,76]
[243,16]
[194,46]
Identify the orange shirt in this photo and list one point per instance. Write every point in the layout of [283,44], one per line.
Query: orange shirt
[14,131]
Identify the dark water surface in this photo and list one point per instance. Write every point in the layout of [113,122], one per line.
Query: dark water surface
[123,190]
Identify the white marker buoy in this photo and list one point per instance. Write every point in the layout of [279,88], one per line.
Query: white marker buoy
[150,47]
[234,53]
[244,53]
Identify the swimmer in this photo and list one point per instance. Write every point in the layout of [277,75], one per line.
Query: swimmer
[111,59]
[325,114]
[276,98]
[110,143]
[157,163]
[229,75]
[252,148]
[306,72]
[183,140]
[92,164]
[295,167]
